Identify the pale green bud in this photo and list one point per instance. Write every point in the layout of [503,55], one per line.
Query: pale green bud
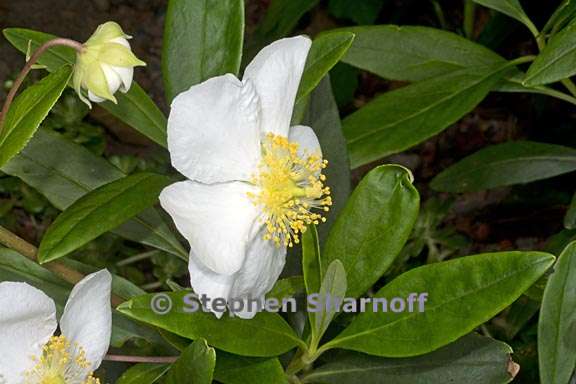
[105,65]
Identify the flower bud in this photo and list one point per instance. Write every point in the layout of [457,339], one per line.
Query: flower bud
[105,65]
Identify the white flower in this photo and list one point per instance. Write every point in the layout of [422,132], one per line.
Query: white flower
[105,65]
[255,183]
[29,351]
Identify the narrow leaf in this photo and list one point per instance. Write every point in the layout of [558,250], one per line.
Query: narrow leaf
[195,365]
[455,304]
[311,261]
[28,110]
[143,374]
[557,323]
[511,8]
[373,227]
[570,217]
[202,39]
[506,164]
[99,211]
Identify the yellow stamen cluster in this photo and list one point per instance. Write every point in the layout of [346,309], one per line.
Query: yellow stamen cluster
[61,362]
[291,184]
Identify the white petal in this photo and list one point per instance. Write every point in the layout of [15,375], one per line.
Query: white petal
[213,131]
[217,221]
[112,77]
[276,71]
[204,281]
[262,267]
[87,318]
[126,75]
[27,321]
[307,140]
[121,40]
[94,98]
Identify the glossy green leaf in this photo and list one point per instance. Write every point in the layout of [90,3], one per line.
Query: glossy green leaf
[311,260]
[456,303]
[287,287]
[327,49]
[135,108]
[99,211]
[557,323]
[570,217]
[373,226]
[267,334]
[234,369]
[556,61]
[333,286]
[473,359]
[400,119]
[563,14]
[28,110]
[63,172]
[281,17]
[410,53]
[195,365]
[145,373]
[511,8]
[506,164]
[202,39]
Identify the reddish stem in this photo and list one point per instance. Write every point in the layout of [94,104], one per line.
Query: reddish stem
[33,59]
[142,359]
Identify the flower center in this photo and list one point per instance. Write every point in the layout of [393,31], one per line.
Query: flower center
[60,362]
[291,185]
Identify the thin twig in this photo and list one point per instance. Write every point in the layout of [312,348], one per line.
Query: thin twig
[142,359]
[33,59]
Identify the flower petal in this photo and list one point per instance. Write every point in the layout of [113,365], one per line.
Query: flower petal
[87,318]
[262,267]
[307,140]
[213,131]
[126,75]
[204,281]
[27,321]
[217,221]
[275,72]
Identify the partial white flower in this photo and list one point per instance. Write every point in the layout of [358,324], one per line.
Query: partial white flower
[255,183]
[105,65]
[29,351]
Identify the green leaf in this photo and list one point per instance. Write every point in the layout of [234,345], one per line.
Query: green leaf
[63,172]
[557,323]
[570,217]
[361,12]
[234,369]
[143,374]
[28,110]
[99,211]
[195,365]
[511,8]
[333,286]
[281,17]
[202,39]
[412,54]
[473,359]
[135,108]
[327,49]
[400,119]
[267,334]
[556,61]
[563,14]
[373,227]
[456,303]
[311,260]
[286,288]
[506,164]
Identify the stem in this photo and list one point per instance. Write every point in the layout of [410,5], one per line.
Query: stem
[469,12]
[440,14]
[142,359]
[26,249]
[33,59]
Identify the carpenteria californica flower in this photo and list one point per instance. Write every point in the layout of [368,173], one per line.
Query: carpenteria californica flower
[29,351]
[255,183]
[105,65]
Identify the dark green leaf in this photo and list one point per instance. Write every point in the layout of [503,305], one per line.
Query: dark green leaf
[64,172]
[287,287]
[557,324]
[143,374]
[195,365]
[327,49]
[135,108]
[361,12]
[373,227]
[400,119]
[29,109]
[473,359]
[570,217]
[99,211]
[456,303]
[506,164]
[311,261]
[556,61]
[202,39]
[267,334]
[511,8]
[281,17]
[563,14]
[234,369]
